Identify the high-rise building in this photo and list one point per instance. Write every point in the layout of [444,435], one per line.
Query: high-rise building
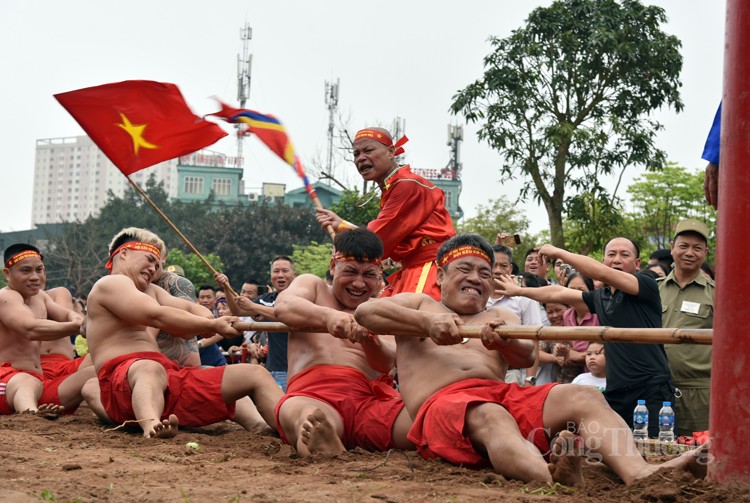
[72,178]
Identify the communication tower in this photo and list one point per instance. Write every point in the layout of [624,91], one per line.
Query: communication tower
[332,102]
[244,67]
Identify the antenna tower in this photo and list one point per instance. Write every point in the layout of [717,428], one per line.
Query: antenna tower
[455,137]
[397,131]
[332,102]
[244,67]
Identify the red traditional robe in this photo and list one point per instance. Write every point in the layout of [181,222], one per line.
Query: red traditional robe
[412,224]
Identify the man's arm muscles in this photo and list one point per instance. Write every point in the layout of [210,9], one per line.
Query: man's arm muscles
[121,298]
[399,315]
[296,305]
[381,355]
[19,318]
[596,270]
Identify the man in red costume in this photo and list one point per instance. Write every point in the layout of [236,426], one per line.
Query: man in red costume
[412,222]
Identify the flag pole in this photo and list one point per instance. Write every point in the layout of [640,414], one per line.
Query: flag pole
[319,205]
[174,227]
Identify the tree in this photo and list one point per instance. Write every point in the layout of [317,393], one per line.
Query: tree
[247,238]
[500,215]
[566,98]
[76,257]
[662,199]
[358,209]
[195,270]
[313,258]
[593,218]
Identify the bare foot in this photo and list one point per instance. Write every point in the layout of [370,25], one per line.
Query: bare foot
[47,411]
[164,429]
[319,436]
[694,461]
[264,430]
[565,460]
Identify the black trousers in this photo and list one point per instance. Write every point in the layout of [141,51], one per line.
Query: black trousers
[655,391]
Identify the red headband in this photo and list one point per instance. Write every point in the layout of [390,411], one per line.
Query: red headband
[380,137]
[134,245]
[340,257]
[464,251]
[14,259]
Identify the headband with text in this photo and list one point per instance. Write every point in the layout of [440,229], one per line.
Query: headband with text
[383,138]
[461,252]
[14,259]
[134,245]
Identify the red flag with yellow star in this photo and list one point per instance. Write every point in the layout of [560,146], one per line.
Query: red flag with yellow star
[139,123]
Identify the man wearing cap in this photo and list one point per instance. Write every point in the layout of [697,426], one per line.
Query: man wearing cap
[412,222]
[463,410]
[629,300]
[29,315]
[687,299]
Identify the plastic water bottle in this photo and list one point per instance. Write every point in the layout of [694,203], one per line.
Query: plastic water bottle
[640,421]
[666,423]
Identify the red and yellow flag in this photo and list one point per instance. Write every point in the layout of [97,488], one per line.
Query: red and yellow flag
[139,123]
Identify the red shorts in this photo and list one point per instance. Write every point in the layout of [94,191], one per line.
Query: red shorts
[193,394]
[55,366]
[49,389]
[439,428]
[367,408]
[420,278]
[6,373]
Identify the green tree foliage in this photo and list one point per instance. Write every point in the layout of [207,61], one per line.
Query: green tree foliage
[566,98]
[499,215]
[660,200]
[243,238]
[247,238]
[358,209]
[313,258]
[593,218]
[195,270]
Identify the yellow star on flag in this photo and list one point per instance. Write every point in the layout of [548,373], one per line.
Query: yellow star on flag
[136,133]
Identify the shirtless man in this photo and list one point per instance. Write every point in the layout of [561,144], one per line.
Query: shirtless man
[339,395]
[465,413]
[58,356]
[136,381]
[28,315]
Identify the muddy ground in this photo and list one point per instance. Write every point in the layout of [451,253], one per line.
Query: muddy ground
[76,459]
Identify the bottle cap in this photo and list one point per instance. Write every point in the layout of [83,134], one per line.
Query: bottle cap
[641,402]
[667,404]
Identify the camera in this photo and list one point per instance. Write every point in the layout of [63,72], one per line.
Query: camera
[568,270]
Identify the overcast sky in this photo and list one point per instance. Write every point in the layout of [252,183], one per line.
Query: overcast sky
[404,59]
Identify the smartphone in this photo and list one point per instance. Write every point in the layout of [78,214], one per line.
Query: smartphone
[513,240]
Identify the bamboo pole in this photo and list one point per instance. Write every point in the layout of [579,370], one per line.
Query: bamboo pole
[544,333]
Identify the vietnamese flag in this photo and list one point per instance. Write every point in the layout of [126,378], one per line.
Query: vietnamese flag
[139,123]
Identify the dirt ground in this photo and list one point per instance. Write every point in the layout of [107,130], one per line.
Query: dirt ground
[75,459]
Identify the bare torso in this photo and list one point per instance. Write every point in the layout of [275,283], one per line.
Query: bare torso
[424,367]
[21,352]
[309,349]
[62,347]
[109,336]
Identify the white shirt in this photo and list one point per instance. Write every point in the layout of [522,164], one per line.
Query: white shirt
[525,308]
[588,379]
